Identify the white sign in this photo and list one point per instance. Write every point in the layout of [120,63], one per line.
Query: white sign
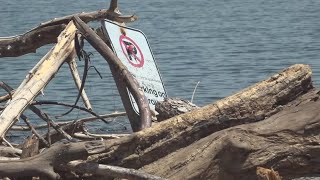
[132,48]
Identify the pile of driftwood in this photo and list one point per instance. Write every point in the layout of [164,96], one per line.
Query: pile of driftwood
[273,124]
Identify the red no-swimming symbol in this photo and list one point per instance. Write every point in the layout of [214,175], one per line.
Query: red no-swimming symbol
[132,51]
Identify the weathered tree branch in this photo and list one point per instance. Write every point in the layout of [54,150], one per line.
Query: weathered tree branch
[68,105]
[125,75]
[7,89]
[82,120]
[34,131]
[30,41]
[69,129]
[110,171]
[89,136]
[39,80]
[47,32]
[58,128]
[171,107]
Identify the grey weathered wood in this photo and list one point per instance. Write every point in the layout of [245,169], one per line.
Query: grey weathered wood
[108,171]
[9,151]
[287,142]
[90,136]
[252,104]
[171,107]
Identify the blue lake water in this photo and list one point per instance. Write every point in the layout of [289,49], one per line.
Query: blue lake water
[226,45]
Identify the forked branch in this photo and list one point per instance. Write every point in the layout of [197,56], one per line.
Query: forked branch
[47,32]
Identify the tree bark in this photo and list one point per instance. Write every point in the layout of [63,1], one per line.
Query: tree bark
[110,171]
[252,104]
[171,107]
[287,142]
[44,163]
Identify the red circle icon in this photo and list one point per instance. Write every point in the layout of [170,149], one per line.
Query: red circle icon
[132,51]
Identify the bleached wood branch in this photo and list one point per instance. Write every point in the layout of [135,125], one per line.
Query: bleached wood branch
[39,80]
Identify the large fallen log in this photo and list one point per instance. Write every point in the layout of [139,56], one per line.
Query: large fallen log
[196,129]
[252,104]
[288,142]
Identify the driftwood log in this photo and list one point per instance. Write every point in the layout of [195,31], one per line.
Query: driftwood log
[252,104]
[206,143]
[287,142]
[273,124]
